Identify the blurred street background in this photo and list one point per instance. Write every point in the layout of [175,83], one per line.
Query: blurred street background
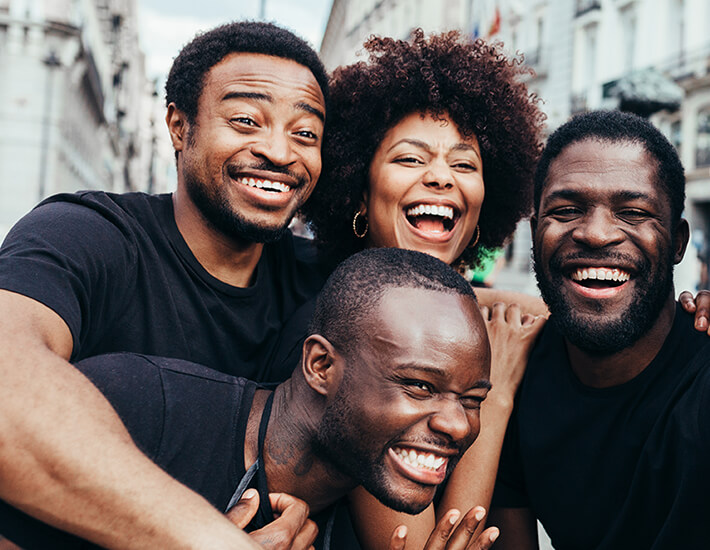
[82,101]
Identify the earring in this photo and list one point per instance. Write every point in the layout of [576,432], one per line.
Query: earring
[475,241]
[367,225]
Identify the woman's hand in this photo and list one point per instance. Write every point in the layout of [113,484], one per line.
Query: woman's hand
[448,536]
[512,335]
[700,305]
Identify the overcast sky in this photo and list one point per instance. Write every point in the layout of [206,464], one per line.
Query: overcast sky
[166,25]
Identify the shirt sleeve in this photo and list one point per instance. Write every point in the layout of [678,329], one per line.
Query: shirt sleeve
[75,260]
[133,385]
[510,483]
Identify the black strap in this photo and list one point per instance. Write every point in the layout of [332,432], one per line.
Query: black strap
[265,512]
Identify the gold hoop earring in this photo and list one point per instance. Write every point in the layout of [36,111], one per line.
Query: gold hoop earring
[475,241]
[367,225]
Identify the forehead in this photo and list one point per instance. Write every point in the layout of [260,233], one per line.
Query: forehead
[258,73]
[427,128]
[603,168]
[414,326]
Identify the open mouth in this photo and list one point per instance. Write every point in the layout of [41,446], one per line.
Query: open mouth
[600,277]
[432,218]
[265,184]
[421,466]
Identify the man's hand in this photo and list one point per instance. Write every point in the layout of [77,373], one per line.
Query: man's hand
[700,306]
[448,536]
[291,528]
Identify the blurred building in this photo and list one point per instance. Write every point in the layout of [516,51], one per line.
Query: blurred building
[651,57]
[75,106]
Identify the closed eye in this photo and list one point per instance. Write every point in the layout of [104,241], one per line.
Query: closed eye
[465,166]
[408,160]
[634,215]
[565,213]
[471,401]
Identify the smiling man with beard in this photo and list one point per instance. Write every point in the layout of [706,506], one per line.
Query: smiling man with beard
[208,273]
[610,437]
[392,377]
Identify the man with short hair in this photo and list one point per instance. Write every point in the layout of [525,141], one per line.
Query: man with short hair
[610,438]
[400,324]
[207,274]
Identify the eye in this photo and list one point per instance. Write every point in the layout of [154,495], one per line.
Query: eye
[406,160]
[565,213]
[307,134]
[465,166]
[244,120]
[472,402]
[634,215]
[419,388]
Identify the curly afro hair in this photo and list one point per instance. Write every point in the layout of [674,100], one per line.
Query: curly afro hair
[187,75]
[480,90]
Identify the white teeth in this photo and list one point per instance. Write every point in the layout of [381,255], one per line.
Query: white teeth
[431,210]
[421,460]
[601,274]
[265,184]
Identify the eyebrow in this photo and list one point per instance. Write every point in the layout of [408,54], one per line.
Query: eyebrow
[424,145]
[482,383]
[301,106]
[571,194]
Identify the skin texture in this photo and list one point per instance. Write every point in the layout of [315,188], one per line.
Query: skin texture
[259,117]
[424,161]
[66,458]
[601,203]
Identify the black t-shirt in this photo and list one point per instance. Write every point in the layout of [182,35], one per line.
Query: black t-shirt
[619,467]
[117,270]
[191,421]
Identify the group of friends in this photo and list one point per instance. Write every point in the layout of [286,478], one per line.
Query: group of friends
[180,371]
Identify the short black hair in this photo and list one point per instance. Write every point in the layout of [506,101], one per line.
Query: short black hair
[356,286]
[187,75]
[616,127]
[480,88]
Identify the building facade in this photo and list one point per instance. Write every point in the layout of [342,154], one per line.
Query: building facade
[73,101]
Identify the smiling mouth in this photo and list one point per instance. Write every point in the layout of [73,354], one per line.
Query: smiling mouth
[265,184]
[432,218]
[422,467]
[600,277]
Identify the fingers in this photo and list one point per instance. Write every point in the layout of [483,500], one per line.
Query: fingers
[464,533]
[485,540]
[244,510]
[686,300]
[398,539]
[291,528]
[438,540]
[702,310]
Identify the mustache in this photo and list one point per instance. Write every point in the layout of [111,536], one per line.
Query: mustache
[265,166]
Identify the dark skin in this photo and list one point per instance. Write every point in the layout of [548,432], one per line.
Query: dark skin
[601,197]
[426,376]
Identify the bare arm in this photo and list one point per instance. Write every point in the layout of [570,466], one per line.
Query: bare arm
[518,528]
[66,458]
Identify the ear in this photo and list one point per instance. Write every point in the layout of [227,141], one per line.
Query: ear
[682,235]
[320,364]
[177,126]
[364,202]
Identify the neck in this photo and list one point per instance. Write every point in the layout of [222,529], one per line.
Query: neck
[290,464]
[231,261]
[615,369]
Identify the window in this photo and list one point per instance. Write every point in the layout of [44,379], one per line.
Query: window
[628,29]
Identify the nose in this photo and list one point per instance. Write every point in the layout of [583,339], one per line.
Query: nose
[275,147]
[451,420]
[597,229]
[438,175]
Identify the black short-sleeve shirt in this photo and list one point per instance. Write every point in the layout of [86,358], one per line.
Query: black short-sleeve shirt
[619,467]
[118,272]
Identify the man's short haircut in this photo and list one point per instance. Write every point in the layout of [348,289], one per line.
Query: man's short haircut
[187,75]
[354,289]
[618,127]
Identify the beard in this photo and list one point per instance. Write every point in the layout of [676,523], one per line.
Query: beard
[214,204]
[341,441]
[598,333]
